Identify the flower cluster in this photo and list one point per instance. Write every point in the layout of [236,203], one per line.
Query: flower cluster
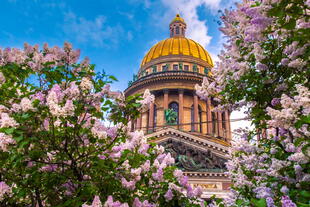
[68,133]
[265,66]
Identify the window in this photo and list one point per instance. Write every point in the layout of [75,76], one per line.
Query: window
[186,67]
[195,68]
[154,67]
[165,67]
[175,107]
[175,67]
[206,70]
[177,30]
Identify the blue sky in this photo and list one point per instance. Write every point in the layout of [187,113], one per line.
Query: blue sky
[114,34]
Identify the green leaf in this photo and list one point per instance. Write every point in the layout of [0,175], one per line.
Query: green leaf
[305,193]
[259,202]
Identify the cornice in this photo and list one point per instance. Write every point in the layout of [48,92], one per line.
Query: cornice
[167,75]
[221,149]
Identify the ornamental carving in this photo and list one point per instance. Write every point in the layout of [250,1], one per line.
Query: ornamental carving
[189,158]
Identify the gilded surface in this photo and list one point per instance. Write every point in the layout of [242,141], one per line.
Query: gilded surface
[177,46]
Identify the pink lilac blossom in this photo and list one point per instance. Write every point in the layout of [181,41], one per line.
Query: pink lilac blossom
[26,105]
[96,203]
[111,203]
[168,195]
[131,185]
[7,121]
[148,98]
[4,190]
[5,141]
[86,84]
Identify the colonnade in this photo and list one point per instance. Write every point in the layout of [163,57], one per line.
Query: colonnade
[218,123]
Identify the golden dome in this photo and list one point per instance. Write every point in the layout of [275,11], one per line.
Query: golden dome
[177,46]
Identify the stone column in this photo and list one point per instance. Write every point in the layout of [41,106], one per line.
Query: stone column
[219,121]
[166,99]
[209,116]
[139,122]
[181,109]
[151,118]
[227,123]
[166,102]
[195,112]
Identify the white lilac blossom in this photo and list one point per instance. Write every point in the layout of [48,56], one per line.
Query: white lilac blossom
[5,141]
[147,99]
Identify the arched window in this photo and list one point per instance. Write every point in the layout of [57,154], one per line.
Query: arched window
[175,107]
[155,116]
[213,123]
[177,30]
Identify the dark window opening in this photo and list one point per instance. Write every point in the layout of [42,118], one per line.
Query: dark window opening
[186,67]
[175,67]
[177,30]
[175,107]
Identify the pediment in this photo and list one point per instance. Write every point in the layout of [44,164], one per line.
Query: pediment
[192,153]
[202,144]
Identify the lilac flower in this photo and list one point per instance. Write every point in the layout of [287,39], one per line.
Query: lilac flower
[5,141]
[169,195]
[287,202]
[284,189]
[263,192]
[159,175]
[4,190]
[275,101]
[270,202]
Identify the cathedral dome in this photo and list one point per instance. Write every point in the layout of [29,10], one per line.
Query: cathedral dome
[176,46]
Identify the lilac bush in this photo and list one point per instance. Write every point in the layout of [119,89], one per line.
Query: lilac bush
[65,140]
[265,66]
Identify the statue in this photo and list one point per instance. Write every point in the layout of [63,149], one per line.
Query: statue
[191,159]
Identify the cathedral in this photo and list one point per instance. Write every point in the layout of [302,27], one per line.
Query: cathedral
[179,120]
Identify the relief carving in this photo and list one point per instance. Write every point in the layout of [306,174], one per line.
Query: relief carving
[188,158]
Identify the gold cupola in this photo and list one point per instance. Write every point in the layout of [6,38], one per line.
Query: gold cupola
[176,48]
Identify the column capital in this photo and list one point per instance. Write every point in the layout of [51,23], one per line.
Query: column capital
[166,90]
[181,91]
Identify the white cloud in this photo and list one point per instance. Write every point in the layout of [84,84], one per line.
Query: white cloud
[95,31]
[196,29]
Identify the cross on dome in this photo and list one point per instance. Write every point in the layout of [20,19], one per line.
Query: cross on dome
[177,27]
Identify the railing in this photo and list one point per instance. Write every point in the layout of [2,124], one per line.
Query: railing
[168,72]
